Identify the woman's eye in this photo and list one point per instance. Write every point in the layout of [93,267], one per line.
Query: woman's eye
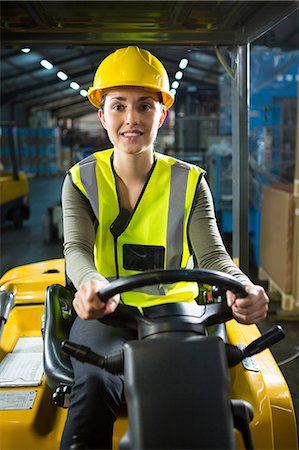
[145,107]
[118,107]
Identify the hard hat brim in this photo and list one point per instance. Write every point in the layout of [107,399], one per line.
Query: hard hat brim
[95,95]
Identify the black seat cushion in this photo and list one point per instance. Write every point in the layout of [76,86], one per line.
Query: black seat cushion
[59,316]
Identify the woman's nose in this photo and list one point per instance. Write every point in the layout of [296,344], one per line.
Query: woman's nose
[132,116]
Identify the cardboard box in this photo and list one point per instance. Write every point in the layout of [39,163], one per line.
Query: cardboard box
[277,234]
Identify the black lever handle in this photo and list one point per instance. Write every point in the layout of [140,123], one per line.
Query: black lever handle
[82,353]
[113,363]
[271,337]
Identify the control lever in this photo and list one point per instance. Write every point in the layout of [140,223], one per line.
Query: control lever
[272,336]
[113,363]
[235,355]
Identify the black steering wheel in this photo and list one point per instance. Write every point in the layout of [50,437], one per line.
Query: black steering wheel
[206,314]
[211,277]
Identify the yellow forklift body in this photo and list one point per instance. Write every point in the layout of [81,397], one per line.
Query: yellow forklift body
[14,198]
[11,189]
[40,427]
[264,387]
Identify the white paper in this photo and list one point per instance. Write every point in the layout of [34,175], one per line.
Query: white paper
[29,344]
[16,399]
[24,366]
[21,369]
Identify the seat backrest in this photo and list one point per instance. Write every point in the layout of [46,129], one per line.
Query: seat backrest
[59,316]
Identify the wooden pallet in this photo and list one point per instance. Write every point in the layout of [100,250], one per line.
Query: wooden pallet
[289,309]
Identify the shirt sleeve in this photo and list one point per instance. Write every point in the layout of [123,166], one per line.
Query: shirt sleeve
[79,228]
[205,237]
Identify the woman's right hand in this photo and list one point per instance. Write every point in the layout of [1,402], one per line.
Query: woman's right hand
[87,303]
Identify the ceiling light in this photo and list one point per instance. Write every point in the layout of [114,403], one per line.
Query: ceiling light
[74,85]
[26,50]
[63,76]
[46,64]
[183,63]
[84,93]
[175,84]
[179,75]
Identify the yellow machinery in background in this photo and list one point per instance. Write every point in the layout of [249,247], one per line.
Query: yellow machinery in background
[14,189]
[14,198]
[30,420]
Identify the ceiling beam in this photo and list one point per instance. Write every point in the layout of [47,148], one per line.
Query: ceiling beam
[38,14]
[268,16]
[117,38]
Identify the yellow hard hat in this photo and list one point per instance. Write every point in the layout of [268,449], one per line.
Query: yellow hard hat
[130,66]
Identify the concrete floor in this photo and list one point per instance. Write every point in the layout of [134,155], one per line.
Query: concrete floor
[27,245]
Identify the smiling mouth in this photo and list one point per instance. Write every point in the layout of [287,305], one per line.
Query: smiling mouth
[132,134]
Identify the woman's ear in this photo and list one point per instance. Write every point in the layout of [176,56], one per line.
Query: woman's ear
[101,117]
[163,116]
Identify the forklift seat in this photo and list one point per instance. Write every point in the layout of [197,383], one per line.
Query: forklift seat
[59,317]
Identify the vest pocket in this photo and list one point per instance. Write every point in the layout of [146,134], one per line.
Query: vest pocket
[143,257]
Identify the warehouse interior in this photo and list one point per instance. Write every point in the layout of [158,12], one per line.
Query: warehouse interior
[234,69]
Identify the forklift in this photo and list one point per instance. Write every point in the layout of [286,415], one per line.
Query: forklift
[14,188]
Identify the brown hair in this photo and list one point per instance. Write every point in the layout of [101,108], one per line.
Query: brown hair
[103,99]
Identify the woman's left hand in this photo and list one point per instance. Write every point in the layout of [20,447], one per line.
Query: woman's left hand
[250,309]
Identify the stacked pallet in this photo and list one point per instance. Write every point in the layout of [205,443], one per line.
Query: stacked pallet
[36,149]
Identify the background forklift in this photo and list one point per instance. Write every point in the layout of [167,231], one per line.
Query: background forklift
[14,188]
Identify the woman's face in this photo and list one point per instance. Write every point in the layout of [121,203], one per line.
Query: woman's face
[132,117]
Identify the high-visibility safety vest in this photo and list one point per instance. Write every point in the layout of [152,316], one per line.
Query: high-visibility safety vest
[153,236]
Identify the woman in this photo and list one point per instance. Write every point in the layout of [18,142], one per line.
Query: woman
[126,210]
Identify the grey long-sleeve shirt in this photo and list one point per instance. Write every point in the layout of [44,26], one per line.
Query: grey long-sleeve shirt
[79,225]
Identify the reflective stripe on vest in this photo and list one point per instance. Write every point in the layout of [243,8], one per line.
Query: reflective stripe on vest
[89,181]
[160,219]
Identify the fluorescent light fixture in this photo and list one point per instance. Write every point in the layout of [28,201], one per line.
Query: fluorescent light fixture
[26,50]
[74,85]
[63,76]
[173,91]
[84,93]
[179,75]
[175,84]
[191,88]
[183,63]
[46,64]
